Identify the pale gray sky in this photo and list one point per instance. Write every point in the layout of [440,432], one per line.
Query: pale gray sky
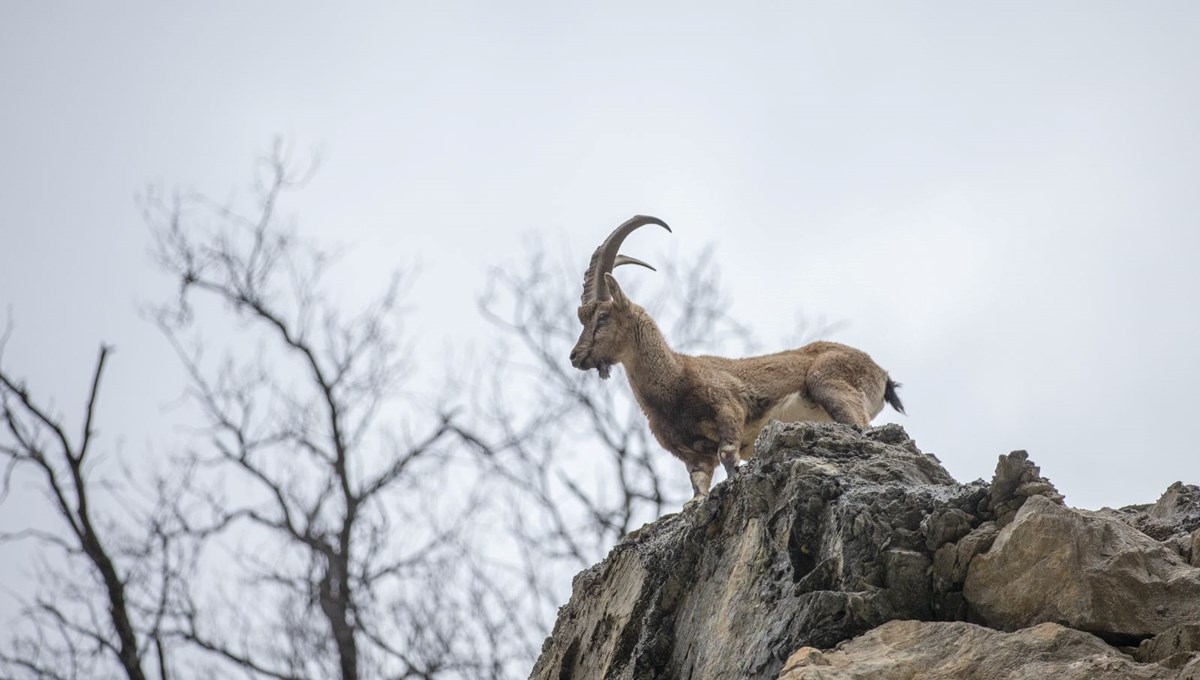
[1001,201]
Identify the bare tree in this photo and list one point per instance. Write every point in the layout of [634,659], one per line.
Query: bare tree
[580,464]
[105,578]
[324,498]
[320,521]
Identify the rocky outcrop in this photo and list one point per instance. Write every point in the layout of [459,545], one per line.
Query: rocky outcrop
[831,532]
[819,539]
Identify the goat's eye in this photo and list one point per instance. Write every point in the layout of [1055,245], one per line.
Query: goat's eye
[602,317]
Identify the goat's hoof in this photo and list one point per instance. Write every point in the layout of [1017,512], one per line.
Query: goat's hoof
[693,502]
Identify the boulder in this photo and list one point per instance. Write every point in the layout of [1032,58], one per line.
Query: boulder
[1083,570]
[903,650]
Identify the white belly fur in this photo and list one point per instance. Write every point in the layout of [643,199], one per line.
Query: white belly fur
[792,409]
[795,409]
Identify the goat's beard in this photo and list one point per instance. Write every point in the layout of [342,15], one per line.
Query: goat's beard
[604,370]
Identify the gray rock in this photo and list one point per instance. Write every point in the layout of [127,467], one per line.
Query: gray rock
[1173,519]
[832,531]
[1083,570]
[1016,480]
[945,525]
[1173,647]
[950,564]
[1178,508]
[903,650]
[820,538]
[956,538]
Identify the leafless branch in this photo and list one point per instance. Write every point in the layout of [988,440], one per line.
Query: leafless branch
[351,506]
[38,439]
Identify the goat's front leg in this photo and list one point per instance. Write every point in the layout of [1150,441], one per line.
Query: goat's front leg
[700,472]
[729,458]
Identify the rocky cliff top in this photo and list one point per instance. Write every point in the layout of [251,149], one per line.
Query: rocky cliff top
[840,553]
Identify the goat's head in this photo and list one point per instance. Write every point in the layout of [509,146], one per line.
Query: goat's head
[606,314]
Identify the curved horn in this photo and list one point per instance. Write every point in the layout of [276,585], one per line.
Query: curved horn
[625,259]
[605,257]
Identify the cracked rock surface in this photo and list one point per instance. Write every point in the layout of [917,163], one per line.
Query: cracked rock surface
[832,532]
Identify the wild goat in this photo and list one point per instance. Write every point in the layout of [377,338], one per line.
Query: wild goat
[705,409]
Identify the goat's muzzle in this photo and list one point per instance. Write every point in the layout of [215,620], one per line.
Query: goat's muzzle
[584,362]
[581,359]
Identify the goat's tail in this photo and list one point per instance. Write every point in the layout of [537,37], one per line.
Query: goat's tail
[890,396]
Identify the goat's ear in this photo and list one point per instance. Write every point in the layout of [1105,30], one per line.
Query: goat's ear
[618,295]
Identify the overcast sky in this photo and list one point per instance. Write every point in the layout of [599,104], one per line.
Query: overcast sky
[1001,202]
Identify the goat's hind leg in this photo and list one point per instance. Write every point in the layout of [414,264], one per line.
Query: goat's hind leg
[729,438]
[729,458]
[843,402]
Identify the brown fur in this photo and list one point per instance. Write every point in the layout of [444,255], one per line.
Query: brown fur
[705,409]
